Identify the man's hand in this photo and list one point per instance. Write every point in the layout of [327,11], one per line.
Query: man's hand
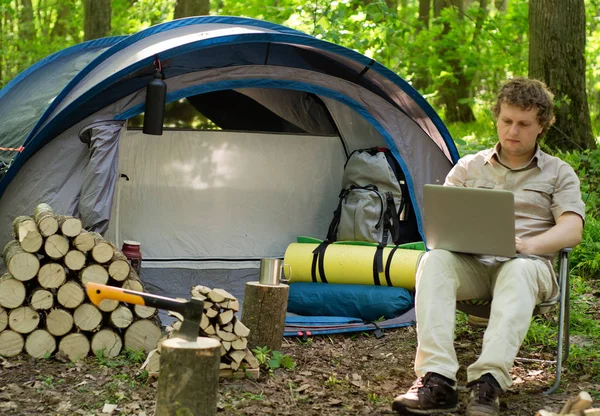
[523,247]
[566,233]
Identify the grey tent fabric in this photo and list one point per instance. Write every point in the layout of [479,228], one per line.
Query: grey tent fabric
[100,174]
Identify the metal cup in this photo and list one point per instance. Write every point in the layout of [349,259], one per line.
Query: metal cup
[271,271]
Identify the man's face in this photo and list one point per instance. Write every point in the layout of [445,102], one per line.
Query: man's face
[517,130]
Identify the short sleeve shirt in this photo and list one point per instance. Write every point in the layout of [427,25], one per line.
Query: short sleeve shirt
[544,189]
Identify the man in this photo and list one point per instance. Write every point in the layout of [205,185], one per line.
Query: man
[548,217]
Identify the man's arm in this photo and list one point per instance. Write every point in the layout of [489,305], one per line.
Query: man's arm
[566,233]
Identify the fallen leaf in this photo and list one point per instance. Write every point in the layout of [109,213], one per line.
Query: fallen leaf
[63,407]
[302,388]
[109,408]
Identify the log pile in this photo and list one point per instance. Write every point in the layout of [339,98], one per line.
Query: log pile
[220,323]
[43,305]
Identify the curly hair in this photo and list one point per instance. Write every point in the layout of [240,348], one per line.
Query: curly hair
[526,94]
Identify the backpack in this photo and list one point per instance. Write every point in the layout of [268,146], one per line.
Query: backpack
[373,201]
[374,206]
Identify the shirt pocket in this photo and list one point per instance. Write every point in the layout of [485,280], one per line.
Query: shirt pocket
[480,183]
[538,196]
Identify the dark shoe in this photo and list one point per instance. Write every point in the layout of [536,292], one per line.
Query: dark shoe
[485,397]
[432,393]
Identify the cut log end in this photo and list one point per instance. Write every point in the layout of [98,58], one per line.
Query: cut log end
[56,246]
[87,317]
[12,292]
[106,343]
[40,344]
[52,275]
[75,346]
[70,226]
[21,265]
[41,299]
[59,322]
[11,343]
[143,334]
[23,319]
[70,295]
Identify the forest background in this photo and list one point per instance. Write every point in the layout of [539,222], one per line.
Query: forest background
[454,52]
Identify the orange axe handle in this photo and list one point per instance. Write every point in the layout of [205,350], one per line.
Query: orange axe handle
[97,293]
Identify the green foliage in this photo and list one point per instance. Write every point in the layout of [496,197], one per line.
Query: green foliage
[273,360]
[127,357]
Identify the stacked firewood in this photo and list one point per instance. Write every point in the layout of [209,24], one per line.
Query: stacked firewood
[43,304]
[219,322]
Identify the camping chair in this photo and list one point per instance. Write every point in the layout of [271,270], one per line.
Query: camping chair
[481,309]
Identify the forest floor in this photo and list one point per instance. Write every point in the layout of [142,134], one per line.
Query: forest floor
[354,374]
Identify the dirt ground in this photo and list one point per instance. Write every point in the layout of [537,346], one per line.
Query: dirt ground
[355,374]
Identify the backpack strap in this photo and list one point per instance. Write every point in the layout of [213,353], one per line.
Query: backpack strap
[393,223]
[335,222]
[378,264]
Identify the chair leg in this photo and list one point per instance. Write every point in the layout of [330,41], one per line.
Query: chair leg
[563,336]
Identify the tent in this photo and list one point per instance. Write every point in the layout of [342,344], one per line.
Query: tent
[207,205]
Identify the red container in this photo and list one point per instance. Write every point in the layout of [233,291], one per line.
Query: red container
[131,250]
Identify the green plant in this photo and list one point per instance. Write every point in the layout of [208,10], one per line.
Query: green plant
[251,396]
[372,398]
[281,360]
[332,381]
[262,354]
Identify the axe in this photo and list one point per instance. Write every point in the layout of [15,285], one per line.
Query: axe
[191,310]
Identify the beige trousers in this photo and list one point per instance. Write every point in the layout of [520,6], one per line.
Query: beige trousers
[515,287]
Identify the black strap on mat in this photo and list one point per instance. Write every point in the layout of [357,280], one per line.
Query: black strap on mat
[388,265]
[318,258]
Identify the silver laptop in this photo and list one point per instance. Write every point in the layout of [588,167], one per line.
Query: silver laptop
[469,220]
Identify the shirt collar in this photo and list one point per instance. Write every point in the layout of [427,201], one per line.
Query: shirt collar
[538,156]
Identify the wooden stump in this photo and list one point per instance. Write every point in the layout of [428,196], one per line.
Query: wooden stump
[264,312]
[23,320]
[40,344]
[12,292]
[46,219]
[75,346]
[52,275]
[11,343]
[20,264]
[59,322]
[142,334]
[3,319]
[107,343]
[189,377]
[70,295]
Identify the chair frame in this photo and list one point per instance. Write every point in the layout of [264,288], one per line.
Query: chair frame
[481,308]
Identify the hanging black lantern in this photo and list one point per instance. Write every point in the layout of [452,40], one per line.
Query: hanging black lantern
[156,94]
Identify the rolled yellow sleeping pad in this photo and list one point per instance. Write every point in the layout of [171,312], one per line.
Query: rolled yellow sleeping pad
[351,264]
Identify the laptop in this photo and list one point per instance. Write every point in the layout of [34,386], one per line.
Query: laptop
[469,220]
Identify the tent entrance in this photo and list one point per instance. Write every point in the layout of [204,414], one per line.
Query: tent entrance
[222,200]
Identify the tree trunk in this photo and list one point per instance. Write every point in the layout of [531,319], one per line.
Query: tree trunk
[63,9]
[189,377]
[424,10]
[26,21]
[264,312]
[188,8]
[438,5]
[455,89]
[556,56]
[96,22]
[392,5]
[501,5]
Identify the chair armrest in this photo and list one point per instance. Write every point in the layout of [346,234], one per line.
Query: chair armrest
[563,264]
